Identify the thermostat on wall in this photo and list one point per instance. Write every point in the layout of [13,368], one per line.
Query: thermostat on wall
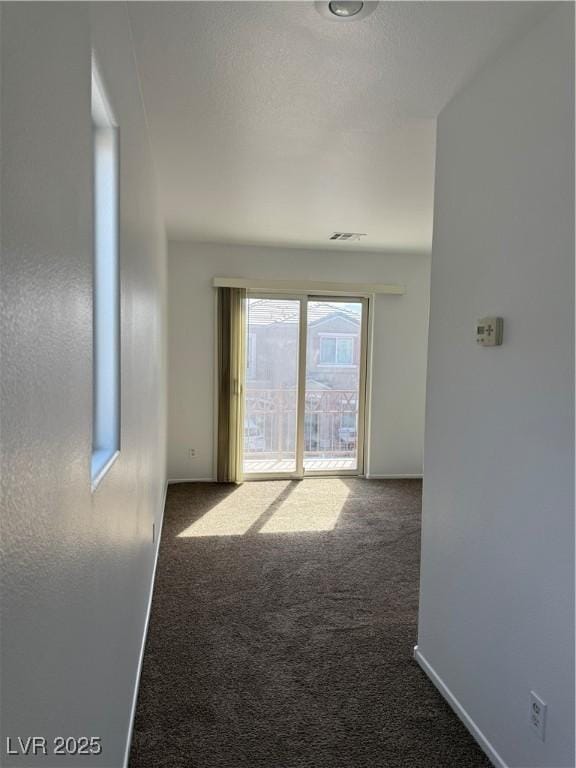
[489,331]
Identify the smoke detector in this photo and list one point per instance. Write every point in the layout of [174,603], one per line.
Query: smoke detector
[345,7]
[345,10]
[347,236]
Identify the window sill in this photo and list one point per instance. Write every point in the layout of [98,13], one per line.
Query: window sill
[102,460]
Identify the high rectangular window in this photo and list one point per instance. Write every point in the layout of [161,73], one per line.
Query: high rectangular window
[106,285]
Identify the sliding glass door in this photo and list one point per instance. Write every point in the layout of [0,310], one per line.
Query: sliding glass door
[334,386]
[271,385]
[304,387]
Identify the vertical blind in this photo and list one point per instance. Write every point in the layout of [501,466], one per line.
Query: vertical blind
[231,364]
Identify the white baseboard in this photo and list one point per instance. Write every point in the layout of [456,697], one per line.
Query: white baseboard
[394,477]
[144,635]
[174,480]
[475,731]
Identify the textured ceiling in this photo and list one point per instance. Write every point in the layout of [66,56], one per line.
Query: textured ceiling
[272,124]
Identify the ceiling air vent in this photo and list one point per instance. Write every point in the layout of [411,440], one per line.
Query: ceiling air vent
[349,236]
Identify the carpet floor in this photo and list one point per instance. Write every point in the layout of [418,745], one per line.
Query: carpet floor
[281,635]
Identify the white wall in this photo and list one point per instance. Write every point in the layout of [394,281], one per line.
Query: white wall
[76,565]
[497,579]
[400,337]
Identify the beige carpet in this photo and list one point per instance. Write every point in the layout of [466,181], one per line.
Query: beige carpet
[281,635]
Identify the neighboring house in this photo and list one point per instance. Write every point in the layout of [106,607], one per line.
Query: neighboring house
[333,356]
[333,347]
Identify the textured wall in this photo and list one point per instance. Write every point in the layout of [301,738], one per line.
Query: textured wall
[497,595]
[76,565]
[399,345]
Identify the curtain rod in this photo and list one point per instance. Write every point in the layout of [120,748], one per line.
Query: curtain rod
[317,288]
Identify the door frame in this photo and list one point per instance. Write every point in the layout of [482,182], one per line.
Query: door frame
[303,299]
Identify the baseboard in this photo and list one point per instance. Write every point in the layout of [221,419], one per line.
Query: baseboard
[477,734]
[144,635]
[394,477]
[175,480]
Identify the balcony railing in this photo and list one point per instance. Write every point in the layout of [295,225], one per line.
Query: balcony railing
[330,424]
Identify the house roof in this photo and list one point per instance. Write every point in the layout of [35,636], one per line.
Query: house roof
[270,312]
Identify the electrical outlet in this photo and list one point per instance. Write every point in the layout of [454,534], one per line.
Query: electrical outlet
[192,453]
[538,715]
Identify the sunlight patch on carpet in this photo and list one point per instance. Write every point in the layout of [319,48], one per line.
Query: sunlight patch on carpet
[235,514]
[304,511]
